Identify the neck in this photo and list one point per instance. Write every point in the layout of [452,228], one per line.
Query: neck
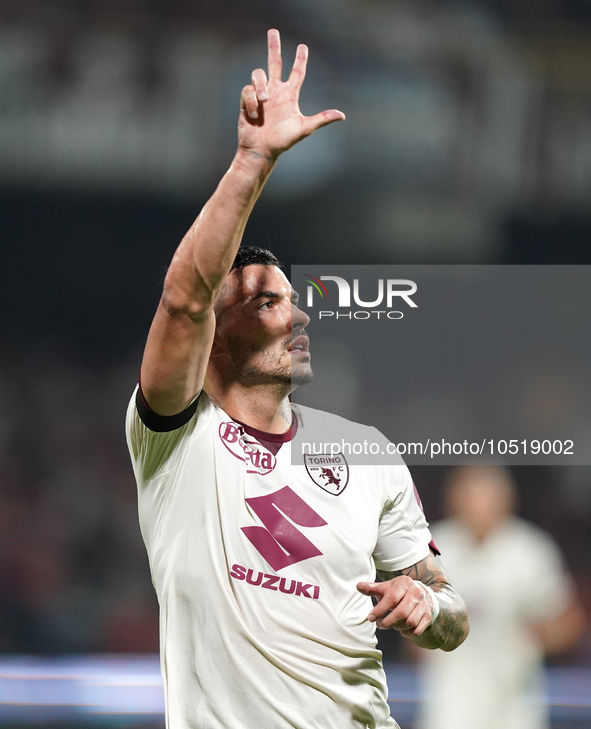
[264,407]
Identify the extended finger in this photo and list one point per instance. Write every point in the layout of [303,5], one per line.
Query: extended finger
[373,589]
[259,81]
[249,102]
[387,603]
[274,55]
[298,70]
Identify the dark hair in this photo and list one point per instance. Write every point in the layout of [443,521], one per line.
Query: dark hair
[252,255]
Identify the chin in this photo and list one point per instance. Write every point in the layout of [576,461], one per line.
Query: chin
[301,376]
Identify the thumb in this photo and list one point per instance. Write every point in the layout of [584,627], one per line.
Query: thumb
[312,123]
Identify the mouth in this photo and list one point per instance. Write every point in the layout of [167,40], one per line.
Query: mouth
[300,344]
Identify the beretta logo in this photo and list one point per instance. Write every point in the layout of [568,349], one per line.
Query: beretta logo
[393,291]
[331,473]
[247,449]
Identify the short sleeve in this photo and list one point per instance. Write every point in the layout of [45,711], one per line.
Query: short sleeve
[403,533]
[155,443]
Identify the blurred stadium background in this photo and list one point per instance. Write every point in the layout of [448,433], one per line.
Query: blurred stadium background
[468,140]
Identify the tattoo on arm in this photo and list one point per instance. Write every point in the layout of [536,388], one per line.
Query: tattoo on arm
[425,571]
[269,158]
[451,626]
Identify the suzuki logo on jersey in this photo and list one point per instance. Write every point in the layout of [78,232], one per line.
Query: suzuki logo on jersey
[279,542]
[330,472]
[247,449]
[395,291]
[274,582]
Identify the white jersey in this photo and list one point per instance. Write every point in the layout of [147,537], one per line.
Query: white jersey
[509,582]
[255,563]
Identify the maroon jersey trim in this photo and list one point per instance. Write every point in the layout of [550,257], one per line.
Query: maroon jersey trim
[272,441]
[432,545]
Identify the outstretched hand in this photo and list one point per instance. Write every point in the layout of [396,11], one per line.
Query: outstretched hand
[270,119]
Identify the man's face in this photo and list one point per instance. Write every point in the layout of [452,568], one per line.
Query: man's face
[260,330]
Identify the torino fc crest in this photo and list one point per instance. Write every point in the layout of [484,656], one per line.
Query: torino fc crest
[330,472]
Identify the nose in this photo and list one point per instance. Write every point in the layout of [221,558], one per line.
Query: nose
[299,318]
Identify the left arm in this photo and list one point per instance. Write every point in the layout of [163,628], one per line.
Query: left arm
[405,605]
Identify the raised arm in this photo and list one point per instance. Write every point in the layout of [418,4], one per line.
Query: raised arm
[405,605]
[181,335]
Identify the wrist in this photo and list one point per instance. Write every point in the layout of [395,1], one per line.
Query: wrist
[252,159]
[435,604]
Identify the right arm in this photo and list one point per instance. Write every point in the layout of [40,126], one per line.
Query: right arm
[180,339]
[406,607]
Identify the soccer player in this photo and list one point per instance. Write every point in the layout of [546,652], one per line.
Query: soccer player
[265,575]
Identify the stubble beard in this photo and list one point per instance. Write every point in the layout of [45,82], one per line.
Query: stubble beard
[267,367]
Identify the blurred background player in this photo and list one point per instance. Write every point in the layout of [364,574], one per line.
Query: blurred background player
[522,607]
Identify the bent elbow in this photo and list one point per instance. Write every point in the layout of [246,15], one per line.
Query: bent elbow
[457,640]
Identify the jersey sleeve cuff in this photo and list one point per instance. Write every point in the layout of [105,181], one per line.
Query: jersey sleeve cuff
[163,423]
